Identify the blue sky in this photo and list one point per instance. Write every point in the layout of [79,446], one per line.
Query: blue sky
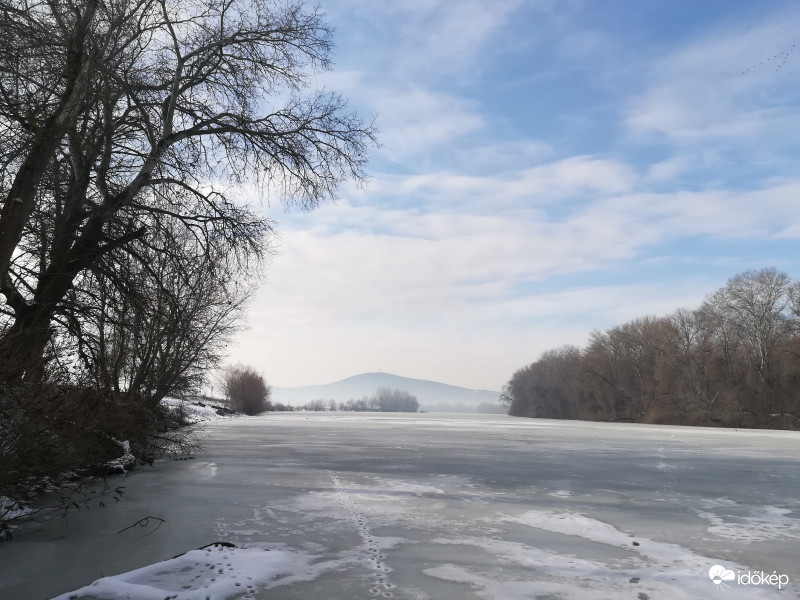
[547,168]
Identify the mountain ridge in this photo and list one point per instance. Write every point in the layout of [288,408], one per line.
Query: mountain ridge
[357,386]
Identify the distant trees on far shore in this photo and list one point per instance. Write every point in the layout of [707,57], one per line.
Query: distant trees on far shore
[383,400]
[734,361]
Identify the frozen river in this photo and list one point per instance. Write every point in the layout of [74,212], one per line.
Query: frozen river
[438,507]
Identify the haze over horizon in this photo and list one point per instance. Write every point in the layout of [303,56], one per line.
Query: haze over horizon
[546,169]
[380,373]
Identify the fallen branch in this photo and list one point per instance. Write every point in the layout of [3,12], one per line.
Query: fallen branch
[145,522]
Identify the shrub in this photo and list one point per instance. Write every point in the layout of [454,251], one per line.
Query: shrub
[246,390]
[59,437]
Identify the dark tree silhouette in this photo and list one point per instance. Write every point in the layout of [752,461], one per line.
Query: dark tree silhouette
[118,116]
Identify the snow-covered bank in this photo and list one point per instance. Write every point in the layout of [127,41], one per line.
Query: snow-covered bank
[200,411]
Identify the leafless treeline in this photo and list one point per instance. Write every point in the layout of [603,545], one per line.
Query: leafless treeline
[126,128]
[734,361]
[383,400]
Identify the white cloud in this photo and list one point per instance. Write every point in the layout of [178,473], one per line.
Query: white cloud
[667,170]
[538,185]
[412,119]
[373,259]
[417,120]
[502,157]
[601,306]
[429,37]
[721,214]
[419,50]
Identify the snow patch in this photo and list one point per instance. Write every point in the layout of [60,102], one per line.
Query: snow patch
[204,469]
[395,486]
[662,569]
[195,411]
[532,557]
[215,572]
[716,502]
[762,524]
[122,464]
[13,509]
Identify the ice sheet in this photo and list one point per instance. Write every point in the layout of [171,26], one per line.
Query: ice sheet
[440,507]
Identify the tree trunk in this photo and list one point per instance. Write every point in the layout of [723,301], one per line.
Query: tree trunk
[22,347]
[21,198]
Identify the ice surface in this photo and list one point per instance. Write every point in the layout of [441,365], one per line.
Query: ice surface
[437,507]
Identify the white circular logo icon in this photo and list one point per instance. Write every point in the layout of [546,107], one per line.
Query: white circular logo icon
[719,575]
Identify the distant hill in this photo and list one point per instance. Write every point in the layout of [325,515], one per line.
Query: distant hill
[432,395]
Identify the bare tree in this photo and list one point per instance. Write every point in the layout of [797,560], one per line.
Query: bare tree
[45,76]
[364,404]
[153,326]
[318,405]
[546,387]
[151,114]
[609,360]
[695,389]
[751,319]
[757,303]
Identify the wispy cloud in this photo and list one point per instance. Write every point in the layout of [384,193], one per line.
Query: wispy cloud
[365,260]
[419,121]
[536,186]
[419,39]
